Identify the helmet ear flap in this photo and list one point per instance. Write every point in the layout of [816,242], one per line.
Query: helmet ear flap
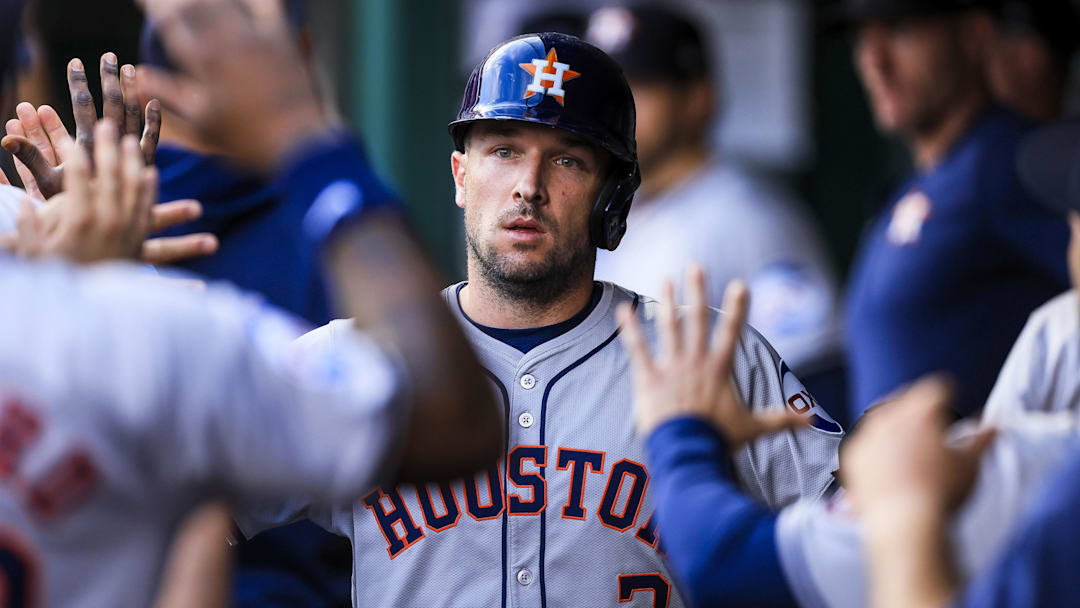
[607,220]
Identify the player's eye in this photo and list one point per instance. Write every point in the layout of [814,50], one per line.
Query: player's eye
[568,162]
[503,153]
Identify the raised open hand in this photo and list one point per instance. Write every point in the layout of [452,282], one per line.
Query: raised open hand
[691,375]
[37,137]
[110,215]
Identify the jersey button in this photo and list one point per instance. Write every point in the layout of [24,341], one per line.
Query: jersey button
[524,577]
[526,419]
[527,381]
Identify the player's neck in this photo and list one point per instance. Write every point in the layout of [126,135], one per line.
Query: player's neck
[488,305]
[676,167]
[929,148]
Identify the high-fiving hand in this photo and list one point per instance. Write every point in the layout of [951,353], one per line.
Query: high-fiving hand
[38,139]
[109,216]
[691,375]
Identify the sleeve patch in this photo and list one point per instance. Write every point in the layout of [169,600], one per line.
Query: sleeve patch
[800,401]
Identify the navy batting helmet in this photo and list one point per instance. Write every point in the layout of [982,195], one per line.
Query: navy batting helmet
[564,83]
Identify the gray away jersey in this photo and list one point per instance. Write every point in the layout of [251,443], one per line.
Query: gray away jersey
[126,401]
[566,518]
[819,542]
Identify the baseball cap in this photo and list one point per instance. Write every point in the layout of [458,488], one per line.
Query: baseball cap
[650,42]
[853,12]
[1049,165]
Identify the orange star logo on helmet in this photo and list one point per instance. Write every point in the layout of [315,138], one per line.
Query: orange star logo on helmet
[548,71]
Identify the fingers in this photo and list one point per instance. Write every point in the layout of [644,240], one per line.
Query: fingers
[4,179]
[31,124]
[169,250]
[32,165]
[82,103]
[167,215]
[107,168]
[151,132]
[729,328]
[148,193]
[667,323]
[55,129]
[14,128]
[112,95]
[134,185]
[77,183]
[29,240]
[697,312]
[633,337]
[133,111]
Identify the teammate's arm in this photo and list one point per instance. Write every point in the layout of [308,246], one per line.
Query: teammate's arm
[245,88]
[720,542]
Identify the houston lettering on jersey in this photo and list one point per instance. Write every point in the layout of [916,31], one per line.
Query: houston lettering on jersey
[525,494]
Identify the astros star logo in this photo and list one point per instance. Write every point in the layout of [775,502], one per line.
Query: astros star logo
[549,71]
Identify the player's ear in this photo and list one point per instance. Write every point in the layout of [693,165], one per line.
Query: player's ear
[457,167]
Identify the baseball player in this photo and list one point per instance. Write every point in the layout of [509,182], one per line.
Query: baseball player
[728,550]
[125,403]
[545,170]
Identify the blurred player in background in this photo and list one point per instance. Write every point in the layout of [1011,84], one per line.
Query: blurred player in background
[545,170]
[949,271]
[697,205]
[1029,63]
[102,456]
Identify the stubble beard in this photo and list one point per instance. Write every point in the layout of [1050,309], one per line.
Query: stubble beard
[533,285]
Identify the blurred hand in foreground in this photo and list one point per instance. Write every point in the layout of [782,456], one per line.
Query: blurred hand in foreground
[689,376]
[242,84]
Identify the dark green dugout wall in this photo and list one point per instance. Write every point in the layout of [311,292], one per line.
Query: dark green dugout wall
[405,86]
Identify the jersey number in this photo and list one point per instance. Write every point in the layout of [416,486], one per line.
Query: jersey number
[653,581]
[18,573]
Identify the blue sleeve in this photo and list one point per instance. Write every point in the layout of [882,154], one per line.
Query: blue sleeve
[721,544]
[1038,565]
[335,177]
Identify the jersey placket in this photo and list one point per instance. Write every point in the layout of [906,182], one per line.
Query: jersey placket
[526,496]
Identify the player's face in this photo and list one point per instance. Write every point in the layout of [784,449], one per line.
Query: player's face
[669,117]
[911,70]
[527,191]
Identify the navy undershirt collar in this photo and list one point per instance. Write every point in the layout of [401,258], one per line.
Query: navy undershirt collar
[527,339]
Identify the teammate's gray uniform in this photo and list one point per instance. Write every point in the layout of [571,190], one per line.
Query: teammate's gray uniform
[819,544]
[125,401]
[1042,372]
[566,518]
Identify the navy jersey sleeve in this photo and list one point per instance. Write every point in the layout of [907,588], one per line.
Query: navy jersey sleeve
[335,174]
[1037,567]
[721,544]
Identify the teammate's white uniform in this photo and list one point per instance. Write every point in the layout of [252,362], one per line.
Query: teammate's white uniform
[736,226]
[566,518]
[819,545]
[1042,372]
[125,402]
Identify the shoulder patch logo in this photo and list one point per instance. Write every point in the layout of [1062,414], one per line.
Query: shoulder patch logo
[800,401]
[908,217]
[549,71]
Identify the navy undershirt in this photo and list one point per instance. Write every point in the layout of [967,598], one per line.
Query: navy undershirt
[527,339]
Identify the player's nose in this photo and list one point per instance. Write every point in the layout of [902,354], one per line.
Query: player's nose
[529,181]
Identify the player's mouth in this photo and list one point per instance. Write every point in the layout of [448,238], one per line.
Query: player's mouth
[524,229]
